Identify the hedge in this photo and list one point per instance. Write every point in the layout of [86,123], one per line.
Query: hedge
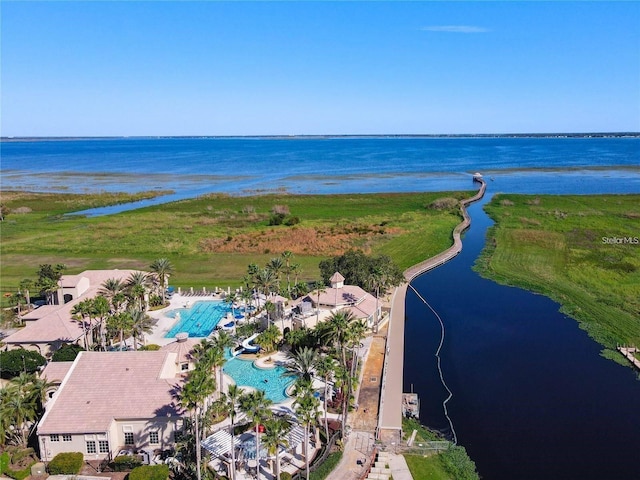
[150,472]
[66,463]
[126,462]
[67,353]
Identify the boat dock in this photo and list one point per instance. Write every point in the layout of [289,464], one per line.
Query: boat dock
[630,354]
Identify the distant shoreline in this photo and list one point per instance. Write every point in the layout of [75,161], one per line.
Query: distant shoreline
[330,136]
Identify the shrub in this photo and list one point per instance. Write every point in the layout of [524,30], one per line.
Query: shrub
[285,476]
[151,347]
[292,221]
[445,203]
[276,219]
[21,454]
[18,360]
[68,463]
[150,472]
[67,353]
[326,467]
[126,462]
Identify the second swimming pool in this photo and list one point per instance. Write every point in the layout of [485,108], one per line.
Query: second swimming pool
[272,381]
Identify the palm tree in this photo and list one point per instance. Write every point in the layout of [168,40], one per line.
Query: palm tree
[141,323]
[325,367]
[162,268]
[302,363]
[100,308]
[21,410]
[26,285]
[275,436]
[375,281]
[110,288]
[230,300]
[306,408]
[17,299]
[337,327]
[198,387]
[320,289]
[276,265]
[223,341]
[121,322]
[287,255]
[255,406]
[265,280]
[80,312]
[137,285]
[269,338]
[233,395]
[270,308]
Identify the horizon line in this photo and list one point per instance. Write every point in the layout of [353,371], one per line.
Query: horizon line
[332,135]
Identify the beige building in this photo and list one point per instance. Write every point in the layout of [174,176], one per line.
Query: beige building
[49,327]
[108,401]
[335,297]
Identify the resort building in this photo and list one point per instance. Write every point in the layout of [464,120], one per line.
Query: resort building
[338,296]
[48,327]
[110,401]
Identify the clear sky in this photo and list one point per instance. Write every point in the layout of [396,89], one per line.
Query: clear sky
[262,68]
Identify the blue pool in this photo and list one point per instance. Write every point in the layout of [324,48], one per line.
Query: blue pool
[200,319]
[244,373]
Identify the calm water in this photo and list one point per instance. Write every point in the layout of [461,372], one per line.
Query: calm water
[532,397]
[193,166]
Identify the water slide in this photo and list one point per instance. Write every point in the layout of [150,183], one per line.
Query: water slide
[247,346]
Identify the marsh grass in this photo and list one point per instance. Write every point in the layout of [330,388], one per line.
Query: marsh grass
[555,245]
[211,239]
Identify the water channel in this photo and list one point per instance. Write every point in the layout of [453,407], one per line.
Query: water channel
[532,398]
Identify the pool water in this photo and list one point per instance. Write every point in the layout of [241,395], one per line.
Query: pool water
[244,373]
[200,319]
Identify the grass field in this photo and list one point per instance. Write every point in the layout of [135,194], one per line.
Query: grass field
[210,240]
[571,249]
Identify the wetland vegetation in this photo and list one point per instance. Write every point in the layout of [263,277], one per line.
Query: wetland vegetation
[211,239]
[581,251]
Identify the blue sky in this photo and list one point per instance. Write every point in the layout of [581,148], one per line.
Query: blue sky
[263,68]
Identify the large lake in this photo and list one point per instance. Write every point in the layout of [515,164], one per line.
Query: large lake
[532,397]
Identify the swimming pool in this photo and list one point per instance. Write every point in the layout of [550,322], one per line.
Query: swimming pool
[272,381]
[200,319]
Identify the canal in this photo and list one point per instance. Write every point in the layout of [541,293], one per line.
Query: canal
[532,398]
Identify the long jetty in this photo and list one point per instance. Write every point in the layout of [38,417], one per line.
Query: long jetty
[630,354]
[389,429]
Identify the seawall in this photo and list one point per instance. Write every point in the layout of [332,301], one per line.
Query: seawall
[389,429]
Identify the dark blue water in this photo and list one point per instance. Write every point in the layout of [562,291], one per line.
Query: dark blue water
[532,397]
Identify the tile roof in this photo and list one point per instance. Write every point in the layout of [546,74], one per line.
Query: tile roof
[103,386]
[56,322]
[56,371]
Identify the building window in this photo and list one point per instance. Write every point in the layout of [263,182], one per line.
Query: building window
[184,366]
[66,437]
[128,438]
[54,437]
[91,446]
[154,437]
[104,446]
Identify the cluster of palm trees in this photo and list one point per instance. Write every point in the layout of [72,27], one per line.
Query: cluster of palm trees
[120,307]
[21,405]
[270,279]
[343,332]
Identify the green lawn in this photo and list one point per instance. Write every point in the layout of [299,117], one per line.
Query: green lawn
[427,468]
[557,246]
[211,240]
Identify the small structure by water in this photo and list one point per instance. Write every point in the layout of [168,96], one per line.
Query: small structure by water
[411,405]
[630,354]
[477,177]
